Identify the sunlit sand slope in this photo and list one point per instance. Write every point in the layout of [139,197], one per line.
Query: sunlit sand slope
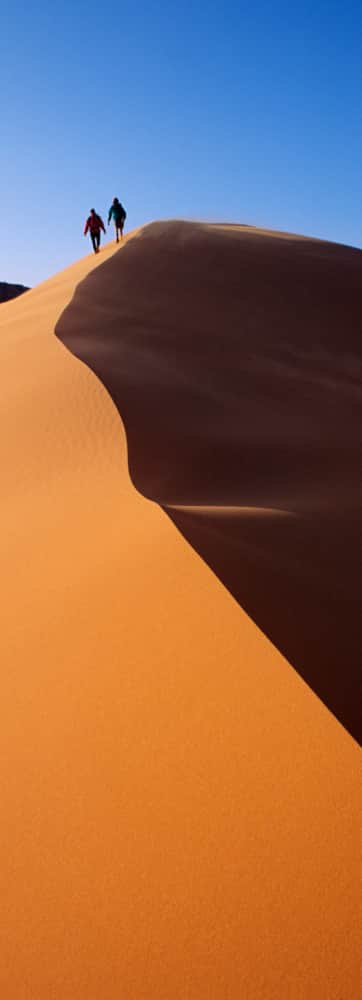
[179,812]
[234,357]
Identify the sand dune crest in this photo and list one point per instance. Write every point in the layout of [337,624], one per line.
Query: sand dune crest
[234,358]
[180,813]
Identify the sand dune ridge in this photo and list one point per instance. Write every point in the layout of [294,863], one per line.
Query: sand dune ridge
[180,812]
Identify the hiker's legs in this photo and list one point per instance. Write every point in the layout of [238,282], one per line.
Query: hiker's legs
[98,239]
[117,232]
[93,237]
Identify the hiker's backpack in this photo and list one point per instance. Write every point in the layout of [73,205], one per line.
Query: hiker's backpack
[121,213]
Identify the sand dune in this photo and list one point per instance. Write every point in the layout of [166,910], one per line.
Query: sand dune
[179,810]
[8,291]
[234,358]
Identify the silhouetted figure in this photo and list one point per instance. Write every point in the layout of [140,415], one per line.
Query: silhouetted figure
[94,223]
[118,213]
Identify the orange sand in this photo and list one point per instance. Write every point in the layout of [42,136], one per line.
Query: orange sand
[234,357]
[179,810]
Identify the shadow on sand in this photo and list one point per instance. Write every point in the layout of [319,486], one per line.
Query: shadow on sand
[298,583]
[234,358]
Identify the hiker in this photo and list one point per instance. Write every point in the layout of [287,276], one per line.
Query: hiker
[94,223]
[118,213]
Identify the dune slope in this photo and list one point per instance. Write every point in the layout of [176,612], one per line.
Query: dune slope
[234,358]
[179,812]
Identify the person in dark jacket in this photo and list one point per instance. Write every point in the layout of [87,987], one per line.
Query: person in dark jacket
[94,223]
[117,212]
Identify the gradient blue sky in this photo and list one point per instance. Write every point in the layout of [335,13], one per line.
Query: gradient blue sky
[228,111]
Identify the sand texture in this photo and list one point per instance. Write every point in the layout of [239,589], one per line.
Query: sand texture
[180,608]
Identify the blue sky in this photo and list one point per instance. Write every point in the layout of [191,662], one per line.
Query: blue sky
[209,110]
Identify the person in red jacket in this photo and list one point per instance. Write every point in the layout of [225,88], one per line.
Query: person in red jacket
[94,224]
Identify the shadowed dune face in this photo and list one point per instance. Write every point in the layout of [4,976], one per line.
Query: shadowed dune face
[234,358]
[8,291]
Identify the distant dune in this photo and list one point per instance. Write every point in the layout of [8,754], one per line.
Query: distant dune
[180,811]
[8,292]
